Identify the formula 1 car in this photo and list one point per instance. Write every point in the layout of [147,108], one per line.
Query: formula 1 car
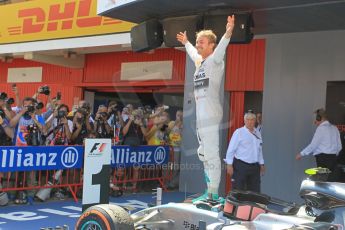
[324,209]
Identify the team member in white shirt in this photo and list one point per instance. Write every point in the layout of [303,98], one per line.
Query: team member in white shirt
[325,145]
[244,159]
[209,62]
[259,122]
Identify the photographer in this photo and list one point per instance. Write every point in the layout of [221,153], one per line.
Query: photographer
[158,134]
[126,112]
[133,135]
[6,105]
[115,121]
[6,132]
[175,139]
[26,117]
[134,129]
[151,116]
[81,126]
[6,114]
[87,108]
[43,90]
[6,136]
[60,128]
[101,126]
[29,132]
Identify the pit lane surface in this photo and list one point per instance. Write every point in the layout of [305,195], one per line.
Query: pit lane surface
[58,213]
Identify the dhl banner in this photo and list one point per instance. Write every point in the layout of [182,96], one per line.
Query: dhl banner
[53,19]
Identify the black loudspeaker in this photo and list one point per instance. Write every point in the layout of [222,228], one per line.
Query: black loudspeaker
[146,36]
[172,26]
[242,33]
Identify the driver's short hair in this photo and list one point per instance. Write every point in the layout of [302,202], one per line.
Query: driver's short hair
[212,38]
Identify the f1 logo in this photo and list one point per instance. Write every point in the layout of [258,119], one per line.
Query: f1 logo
[100,149]
[96,172]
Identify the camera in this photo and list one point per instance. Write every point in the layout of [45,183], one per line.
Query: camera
[3,96]
[104,114]
[2,114]
[10,101]
[31,108]
[114,109]
[58,96]
[137,114]
[39,105]
[86,106]
[61,114]
[32,138]
[32,128]
[164,128]
[80,120]
[59,141]
[45,90]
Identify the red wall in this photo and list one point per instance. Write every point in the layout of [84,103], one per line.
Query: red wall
[245,66]
[106,67]
[28,89]
[51,73]
[59,79]
[100,70]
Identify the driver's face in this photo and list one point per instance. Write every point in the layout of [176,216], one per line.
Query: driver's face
[203,46]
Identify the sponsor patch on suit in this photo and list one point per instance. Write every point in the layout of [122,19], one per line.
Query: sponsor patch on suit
[201,83]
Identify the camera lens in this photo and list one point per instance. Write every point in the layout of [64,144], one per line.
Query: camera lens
[2,114]
[3,96]
[31,108]
[61,114]
[10,101]
[45,90]
[80,120]
[39,105]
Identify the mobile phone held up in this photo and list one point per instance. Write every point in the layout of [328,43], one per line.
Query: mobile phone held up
[58,96]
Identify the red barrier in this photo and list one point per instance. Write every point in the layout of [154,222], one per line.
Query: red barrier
[36,180]
[160,173]
[72,178]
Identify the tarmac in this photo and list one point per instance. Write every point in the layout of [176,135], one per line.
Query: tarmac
[53,213]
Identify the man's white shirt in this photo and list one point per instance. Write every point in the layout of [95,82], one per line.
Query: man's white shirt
[326,140]
[245,146]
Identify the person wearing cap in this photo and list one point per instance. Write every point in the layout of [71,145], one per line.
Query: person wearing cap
[244,158]
[325,145]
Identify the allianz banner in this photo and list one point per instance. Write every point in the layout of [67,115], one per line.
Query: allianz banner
[29,158]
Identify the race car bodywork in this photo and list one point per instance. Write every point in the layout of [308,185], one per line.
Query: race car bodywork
[324,209]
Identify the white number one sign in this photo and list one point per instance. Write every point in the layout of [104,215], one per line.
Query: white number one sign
[97,171]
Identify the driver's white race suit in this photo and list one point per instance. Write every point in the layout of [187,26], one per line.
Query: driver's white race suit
[209,112]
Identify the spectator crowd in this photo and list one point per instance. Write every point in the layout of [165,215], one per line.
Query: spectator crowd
[32,122]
